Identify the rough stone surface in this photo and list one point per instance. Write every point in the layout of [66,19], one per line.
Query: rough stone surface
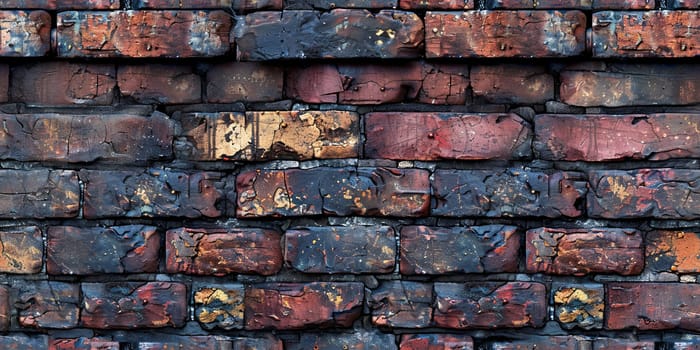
[219,306]
[579,305]
[244,81]
[25,33]
[652,306]
[159,84]
[402,304]
[436,342]
[39,194]
[359,340]
[47,304]
[63,83]
[673,251]
[21,251]
[512,83]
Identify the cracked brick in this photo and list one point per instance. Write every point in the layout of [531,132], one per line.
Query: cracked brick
[673,251]
[159,83]
[244,81]
[25,33]
[579,305]
[357,340]
[22,250]
[47,304]
[219,306]
[402,304]
[652,306]
[63,83]
[436,342]
[512,83]
[39,194]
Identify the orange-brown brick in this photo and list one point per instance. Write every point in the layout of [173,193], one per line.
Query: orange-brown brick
[511,83]
[63,83]
[22,251]
[673,251]
[159,84]
[244,81]
[44,194]
[25,33]
[436,342]
[652,306]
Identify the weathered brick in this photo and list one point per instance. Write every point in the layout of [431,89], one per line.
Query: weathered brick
[5,309]
[673,251]
[402,304]
[579,305]
[117,138]
[63,83]
[507,192]
[159,84]
[83,343]
[39,194]
[474,249]
[237,5]
[436,4]
[223,251]
[123,305]
[244,81]
[75,250]
[512,83]
[157,192]
[258,136]
[340,33]
[24,342]
[60,4]
[25,33]
[571,4]
[436,342]
[355,249]
[619,344]
[333,191]
[583,251]
[190,343]
[646,34]
[47,304]
[358,340]
[490,305]
[296,306]
[22,251]
[659,193]
[435,136]
[619,84]
[505,34]
[539,343]
[652,306]
[328,5]
[219,306]
[170,34]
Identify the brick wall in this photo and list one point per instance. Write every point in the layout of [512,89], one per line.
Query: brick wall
[349,174]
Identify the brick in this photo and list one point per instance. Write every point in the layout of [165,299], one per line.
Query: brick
[618,344]
[219,306]
[156,192]
[60,4]
[584,251]
[22,251]
[172,34]
[159,84]
[358,340]
[333,191]
[39,194]
[114,138]
[327,5]
[244,81]
[311,34]
[652,306]
[579,305]
[505,34]
[615,85]
[295,306]
[512,83]
[83,343]
[540,343]
[571,4]
[436,4]
[402,304]
[355,249]
[47,304]
[25,33]
[437,136]
[604,138]
[5,309]
[24,342]
[659,193]
[646,34]
[221,251]
[507,192]
[124,305]
[436,342]
[684,4]
[75,250]
[190,343]
[256,136]
[63,83]
[673,251]
[490,305]
[237,5]
[473,249]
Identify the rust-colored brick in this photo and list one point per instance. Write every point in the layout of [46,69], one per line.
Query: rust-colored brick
[47,304]
[402,304]
[83,343]
[170,34]
[505,34]
[579,305]
[295,306]
[22,251]
[673,251]
[222,251]
[63,83]
[61,4]
[39,194]
[474,249]
[244,81]
[511,83]
[159,84]
[652,306]
[357,340]
[436,342]
[219,306]
[25,33]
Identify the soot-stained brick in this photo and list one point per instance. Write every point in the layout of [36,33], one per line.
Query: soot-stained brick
[219,306]
[159,83]
[355,249]
[22,250]
[358,340]
[244,81]
[673,251]
[46,304]
[490,305]
[39,194]
[507,192]
[83,343]
[130,305]
[474,249]
[402,304]
[63,83]
[75,250]
[220,251]
[584,251]
[436,342]
[340,33]
[512,83]
[287,306]
[25,33]
[579,305]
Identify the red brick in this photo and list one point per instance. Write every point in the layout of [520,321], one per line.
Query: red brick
[512,83]
[673,251]
[584,251]
[5,309]
[63,83]
[490,305]
[159,84]
[618,344]
[436,4]
[256,136]
[541,343]
[659,193]
[296,306]
[83,344]
[25,33]
[47,304]
[312,34]
[61,4]
[358,340]
[24,342]
[507,192]
[116,138]
[571,4]
[156,192]
[223,251]
[244,81]
[474,249]
[579,305]
[436,342]
[43,194]
[124,305]
[505,34]
[354,249]
[652,306]
[219,306]
[436,136]
[402,304]
[646,34]
[684,4]
[237,5]
[22,250]
[171,34]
